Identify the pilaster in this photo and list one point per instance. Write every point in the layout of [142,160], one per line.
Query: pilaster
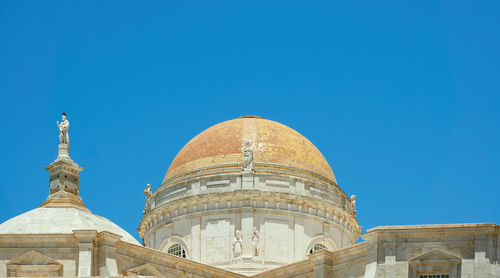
[85,251]
[106,254]
[196,239]
[371,267]
[323,264]
[299,238]
[390,256]
[483,252]
[246,232]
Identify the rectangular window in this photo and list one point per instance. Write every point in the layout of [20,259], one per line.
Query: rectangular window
[435,276]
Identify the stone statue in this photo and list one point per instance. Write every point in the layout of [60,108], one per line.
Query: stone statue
[63,130]
[147,191]
[148,194]
[248,158]
[255,241]
[353,201]
[237,246]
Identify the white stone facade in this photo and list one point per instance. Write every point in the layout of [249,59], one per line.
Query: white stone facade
[292,212]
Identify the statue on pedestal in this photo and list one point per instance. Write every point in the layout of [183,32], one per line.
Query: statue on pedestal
[148,192]
[63,130]
[248,158]
[353,202]
[237,244]
[255,241]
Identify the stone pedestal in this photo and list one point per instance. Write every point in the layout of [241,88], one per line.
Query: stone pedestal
[64,173]
[247,180]
[63,150]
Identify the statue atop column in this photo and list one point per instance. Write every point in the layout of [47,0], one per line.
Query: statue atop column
[63,137]
[64,172]
[63,130]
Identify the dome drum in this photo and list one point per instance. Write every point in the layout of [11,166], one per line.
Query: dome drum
[235,169]
[198,184]
[259,202]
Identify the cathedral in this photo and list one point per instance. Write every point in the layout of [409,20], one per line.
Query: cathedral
[246,197]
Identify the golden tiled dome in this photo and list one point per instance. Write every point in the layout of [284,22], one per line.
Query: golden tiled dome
[273,143]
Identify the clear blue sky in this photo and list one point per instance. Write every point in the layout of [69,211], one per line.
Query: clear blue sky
[401,97]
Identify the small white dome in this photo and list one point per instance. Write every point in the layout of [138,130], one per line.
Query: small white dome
[61,220]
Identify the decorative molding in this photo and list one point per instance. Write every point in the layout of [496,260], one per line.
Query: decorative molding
[434,255]
[33,264]
[289,203]
[143,270]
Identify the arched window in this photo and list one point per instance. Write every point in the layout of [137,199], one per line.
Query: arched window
[175,245]
[316,247]
[177,250]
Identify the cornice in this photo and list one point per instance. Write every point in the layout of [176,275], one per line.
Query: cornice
[329,189]
[430,230]
[235,168]
[232,201]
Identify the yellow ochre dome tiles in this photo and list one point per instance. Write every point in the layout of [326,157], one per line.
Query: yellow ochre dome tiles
[272,142]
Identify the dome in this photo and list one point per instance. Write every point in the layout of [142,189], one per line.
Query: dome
[273,143]
[248,195]
[61,220]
